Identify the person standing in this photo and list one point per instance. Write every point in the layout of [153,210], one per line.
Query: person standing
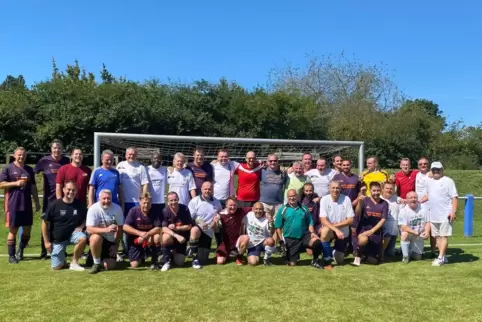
[49,166]
[157,176]
[76,172]
[201,170]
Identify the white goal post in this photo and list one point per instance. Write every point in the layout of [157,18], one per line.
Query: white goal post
[168,145]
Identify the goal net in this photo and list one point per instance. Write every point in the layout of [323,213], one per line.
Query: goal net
[288,151]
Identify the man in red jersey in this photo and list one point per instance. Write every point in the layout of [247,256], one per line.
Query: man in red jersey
[249,177]
[405,179]
[76,172]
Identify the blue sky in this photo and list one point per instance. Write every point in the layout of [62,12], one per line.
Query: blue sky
[434,48]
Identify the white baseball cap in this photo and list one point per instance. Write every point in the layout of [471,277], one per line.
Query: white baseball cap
[436,165]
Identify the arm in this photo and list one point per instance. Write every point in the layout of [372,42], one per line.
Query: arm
[45,234]
[132,231]
[58,190]
[378,226]
[118,235]
[91,196]
[35,193]
[7,185]
[358,209]
[455,203]
[344,223]
[97,230]
[409,230]
[145,188]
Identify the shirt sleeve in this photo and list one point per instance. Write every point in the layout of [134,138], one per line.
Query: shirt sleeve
[192,183]
[144,177]
[192,208]
[33,181]
[47,215]
[60,175]
[308,216]
[91,216]
[402,218]
[119,216]
[93,177]
[385,210]
[323,212]
[165,222]
[453,190]
[349,209]
[39,166]
[188,219]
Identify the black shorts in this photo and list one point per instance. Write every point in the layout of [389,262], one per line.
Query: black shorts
[109,250]
[205,241]
[294,246]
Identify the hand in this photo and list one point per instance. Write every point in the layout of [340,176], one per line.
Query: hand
[361,197]
[270,218]
[290,170]
[37,206]
[216,218]
[171,226]
[21,183]
[316,199]
[423,235]
[430,174]
[111,229]
[368,233]
[204,226]
[180,239]
[402,201]
[339,234]
[452,216]
[140,239]
[48,246]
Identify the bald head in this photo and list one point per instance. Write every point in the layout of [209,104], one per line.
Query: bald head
[292,196]
[251,158]
[412,199]
[207,190]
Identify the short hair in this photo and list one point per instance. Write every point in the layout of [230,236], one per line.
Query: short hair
[223,150]
[308,184]
[155,154]
[70,182]
[373,157]
[107,152]
[405,159]
[388,182]
[56,141]
[179,155]
[232,198]
[375,184]
[336,156]
[107,191]
[335,182]
[322,159]
[131,148]
[423,158]
[173,193]
[20,148]
[306,153]
[296,163]
[145,195]
[75,149]
[348,160]
[199,150]
[273,155]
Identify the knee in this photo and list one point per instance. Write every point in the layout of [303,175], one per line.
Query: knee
[362,240]
[156,239]
[244,240]
[195,232]
[109,264]
[253,260]
[82,241]
[220,260]
[167,240]
[324,234]
[134,264]
[269,242]
[95,239]
[339,257]
[404,236]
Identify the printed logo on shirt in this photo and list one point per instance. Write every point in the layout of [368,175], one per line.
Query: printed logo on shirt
[63,212]
[75,212]
[85,174]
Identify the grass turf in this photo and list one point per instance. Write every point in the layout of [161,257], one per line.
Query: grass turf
[389,292]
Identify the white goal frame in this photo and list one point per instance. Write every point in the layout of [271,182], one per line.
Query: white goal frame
[224,140]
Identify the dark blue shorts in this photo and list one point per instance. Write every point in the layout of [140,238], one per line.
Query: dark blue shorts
[375,242]
[128,206]
[18,219]
[256,250]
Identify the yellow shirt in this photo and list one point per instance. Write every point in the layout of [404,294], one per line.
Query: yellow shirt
[380,176]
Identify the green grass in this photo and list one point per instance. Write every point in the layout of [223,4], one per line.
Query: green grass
[390,292]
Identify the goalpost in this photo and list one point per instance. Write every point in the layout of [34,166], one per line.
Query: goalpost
[167,145]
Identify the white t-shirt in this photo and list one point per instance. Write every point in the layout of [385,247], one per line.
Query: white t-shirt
[224,179]
[257,229]
[204,210]
[157,183]
[133,176]
[440,193]
[99,217]
[414,219]
[421,180]
[321,181]
[391,225]
[337,211]
[181,182]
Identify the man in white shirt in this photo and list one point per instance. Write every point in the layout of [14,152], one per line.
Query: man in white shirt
[321,177]
[442,197]
[224,170]
[203,209]
[414,226]
[390,228]
[336,215]
[134,180]
[157,176]
[181,180]
[104,226]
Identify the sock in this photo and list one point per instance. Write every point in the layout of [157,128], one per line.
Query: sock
[405,246]
[11,247]
[166,253]
[193,245]
[354,243]
[268,250]
[96,261]
[316,248]
[155,250]
[24,241]
[326,250]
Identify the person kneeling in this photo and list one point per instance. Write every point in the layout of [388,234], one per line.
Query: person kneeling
[258,228]
[413,221]
[143,228]
[104,225]
[62,225]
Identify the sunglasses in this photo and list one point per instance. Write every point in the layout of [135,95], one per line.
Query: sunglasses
[272,160]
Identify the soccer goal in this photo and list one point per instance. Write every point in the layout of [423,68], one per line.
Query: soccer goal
[167,145]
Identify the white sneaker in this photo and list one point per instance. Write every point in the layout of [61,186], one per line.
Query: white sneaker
[120,258]
[437,262]
[76,267]
[356,261]
[196,264]
[166,267]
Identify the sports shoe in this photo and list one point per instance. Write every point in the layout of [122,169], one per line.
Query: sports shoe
[196,264]
[20,254]
[405,260]
[95,269]
[13,260]
[239,261]
[43,255]
[84,256]
[316,264]
[356,261]
[446,261]
[166,267]
[438,262]
[267,262]
[155,267]
[76,267]
[120,258]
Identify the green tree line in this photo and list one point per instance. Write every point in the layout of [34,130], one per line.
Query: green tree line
[328,99]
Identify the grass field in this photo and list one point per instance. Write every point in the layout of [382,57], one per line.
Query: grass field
[389,292]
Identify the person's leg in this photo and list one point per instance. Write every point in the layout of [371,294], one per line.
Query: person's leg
[315,245]
[340,250]
[242,246]
[445,233]
[292,249]
[375,244]
[136,255]
[79,239]
[109,253]
[405,246]
[57,257]
[155,244]
[253,260]
[222,253]
[95,242]
[193,244]
[361,243]
[326,237]
[269,248]
[11,242]
[204,250]
[167,247]
[24,239]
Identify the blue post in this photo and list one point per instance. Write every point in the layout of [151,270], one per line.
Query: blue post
[469,216]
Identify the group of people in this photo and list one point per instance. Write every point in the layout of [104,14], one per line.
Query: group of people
[272,209]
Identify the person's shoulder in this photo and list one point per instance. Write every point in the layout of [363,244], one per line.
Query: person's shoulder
[118,208]
[86,168]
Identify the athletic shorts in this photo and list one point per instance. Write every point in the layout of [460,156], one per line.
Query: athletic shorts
[225,248]
[204,240]
[416,244]
[109,250]
[180,248]
[294,246]
[57,258]
[256,250]
[441,229]
[375,242]
[18,219]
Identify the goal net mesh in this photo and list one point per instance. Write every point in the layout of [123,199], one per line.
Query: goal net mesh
[287,151]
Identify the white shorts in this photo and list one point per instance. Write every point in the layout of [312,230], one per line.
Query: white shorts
[416,244]
[441,229]
[272,209]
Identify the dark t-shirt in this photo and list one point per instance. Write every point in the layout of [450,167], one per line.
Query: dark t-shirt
[63,218]
[313,207]
[373,212]
[201,174]
[350,185]
[137,220]
[49,167]
[80,175]
[183,217]
[17,198]
[231,226]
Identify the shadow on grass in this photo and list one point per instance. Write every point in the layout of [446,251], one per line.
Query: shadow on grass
[458,255]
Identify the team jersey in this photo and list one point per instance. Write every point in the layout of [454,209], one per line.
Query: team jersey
[180,218]
[405,182]
[231,226]
[321,180]
[79,175]
[256,228]
[350,185]
[203,212]
[380,176]
[181,182]
[413,218]
[272,186]
[421,181]
[140,221]
[296,183]
[294,220]
[157,183]
[18,198]
[248,183]
[132,176]
[201,174]
[337,211]
[440,193]
[391,225]
[223,179]
[105,179]
[49,168]
[373,212]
